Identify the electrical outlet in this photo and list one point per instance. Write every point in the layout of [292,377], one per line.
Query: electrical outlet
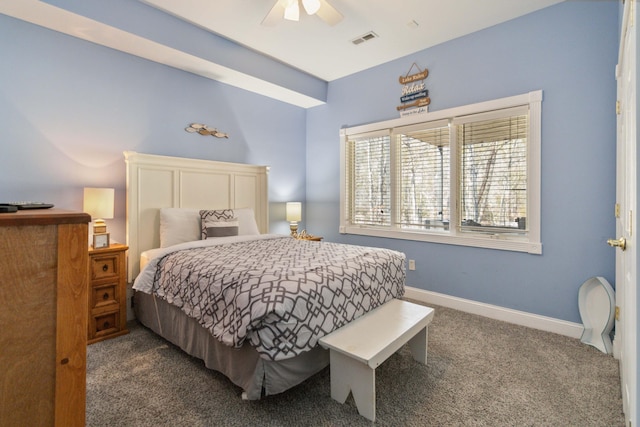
[412,264]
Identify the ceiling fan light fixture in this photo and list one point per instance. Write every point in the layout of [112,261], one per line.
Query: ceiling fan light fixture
[292,11]
[311,6]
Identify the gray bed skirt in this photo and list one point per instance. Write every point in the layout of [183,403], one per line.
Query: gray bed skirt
[243,366]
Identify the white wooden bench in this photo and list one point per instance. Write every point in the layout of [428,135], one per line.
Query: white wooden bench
[358,348]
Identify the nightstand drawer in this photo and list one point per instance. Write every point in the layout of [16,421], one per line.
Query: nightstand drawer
[104,266]
[103,295]
[105,324]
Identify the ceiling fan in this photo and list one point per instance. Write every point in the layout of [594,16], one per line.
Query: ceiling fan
[290,10]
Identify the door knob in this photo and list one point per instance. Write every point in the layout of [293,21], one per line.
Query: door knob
[619,243]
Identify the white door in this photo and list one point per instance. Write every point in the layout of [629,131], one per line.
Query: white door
[626,327]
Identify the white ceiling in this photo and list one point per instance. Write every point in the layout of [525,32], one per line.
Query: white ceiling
[327,52]
[403,27]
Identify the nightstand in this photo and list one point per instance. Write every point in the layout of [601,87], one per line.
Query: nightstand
[107,292]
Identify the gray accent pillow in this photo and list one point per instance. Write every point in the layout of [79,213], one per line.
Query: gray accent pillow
[215,225]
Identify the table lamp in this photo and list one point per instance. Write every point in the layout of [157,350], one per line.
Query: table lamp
[98,202]
[294,214]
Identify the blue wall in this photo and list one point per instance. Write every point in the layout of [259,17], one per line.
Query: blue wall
[69,108]
[557,50]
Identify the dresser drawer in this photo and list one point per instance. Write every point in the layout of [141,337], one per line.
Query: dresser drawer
[104,295]
[105,266]
[104,324]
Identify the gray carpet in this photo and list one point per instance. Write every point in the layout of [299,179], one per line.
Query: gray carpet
[480,372]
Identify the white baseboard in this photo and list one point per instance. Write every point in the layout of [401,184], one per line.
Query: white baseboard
[522,318]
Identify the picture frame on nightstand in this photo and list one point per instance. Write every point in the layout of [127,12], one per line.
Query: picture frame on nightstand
[101,240]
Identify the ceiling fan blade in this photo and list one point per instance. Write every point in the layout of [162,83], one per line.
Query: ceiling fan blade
[275,14]
[328,13]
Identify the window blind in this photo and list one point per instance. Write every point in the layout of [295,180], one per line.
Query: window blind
[493,173]
[423,182]
[368,180]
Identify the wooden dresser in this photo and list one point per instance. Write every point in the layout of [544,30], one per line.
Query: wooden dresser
[107,292]
[43,317]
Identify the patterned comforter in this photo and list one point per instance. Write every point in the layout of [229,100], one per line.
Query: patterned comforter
[279,293]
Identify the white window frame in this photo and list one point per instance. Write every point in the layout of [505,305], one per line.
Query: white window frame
[529,242]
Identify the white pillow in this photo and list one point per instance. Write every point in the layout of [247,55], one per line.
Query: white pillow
[180,225]
[247,220]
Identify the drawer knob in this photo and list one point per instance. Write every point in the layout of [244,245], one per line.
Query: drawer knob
[105,296]
[64,361]
[105,267]
[105,325]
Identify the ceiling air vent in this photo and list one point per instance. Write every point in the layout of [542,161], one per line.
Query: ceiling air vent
[364,38]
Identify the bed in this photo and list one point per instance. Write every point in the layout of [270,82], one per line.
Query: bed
[208,277]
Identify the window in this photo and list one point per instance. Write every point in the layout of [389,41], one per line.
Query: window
[370,180]
[493,170]
[423,178]
[468,176]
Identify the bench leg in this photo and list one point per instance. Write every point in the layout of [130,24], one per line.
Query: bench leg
[418,345]
[347,375]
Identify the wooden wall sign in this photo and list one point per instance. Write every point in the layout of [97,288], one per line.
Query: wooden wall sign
[414,90]
[413,77]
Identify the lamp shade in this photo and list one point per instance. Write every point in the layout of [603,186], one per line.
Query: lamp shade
[98,202]
[294,211]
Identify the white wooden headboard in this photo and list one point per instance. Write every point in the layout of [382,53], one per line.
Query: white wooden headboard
[155,182]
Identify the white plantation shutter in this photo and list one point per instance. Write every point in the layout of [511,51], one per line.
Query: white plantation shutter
[423,176]
[368,182]
[493,170]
